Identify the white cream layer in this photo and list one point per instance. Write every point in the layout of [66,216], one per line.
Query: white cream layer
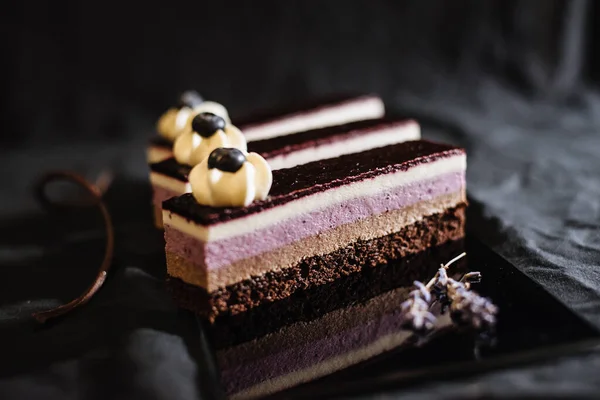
[350,111]
[317,201]
[367,141]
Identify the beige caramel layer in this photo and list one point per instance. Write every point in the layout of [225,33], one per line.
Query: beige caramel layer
[157,212]
[327,242]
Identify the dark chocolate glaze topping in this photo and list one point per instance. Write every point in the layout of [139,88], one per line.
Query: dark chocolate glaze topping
[226,159]
[304,180]
[296,107]
[170,167]
[206,124]
[286,144]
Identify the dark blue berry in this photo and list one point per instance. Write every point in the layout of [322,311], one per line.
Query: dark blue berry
[226,159]
[206,124]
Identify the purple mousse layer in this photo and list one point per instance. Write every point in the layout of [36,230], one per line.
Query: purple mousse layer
[218,254]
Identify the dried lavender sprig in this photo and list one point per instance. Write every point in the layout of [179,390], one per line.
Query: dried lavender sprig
[416,315]
[466,306]
[440,287]
[421,291]
[444,267]
[440,281]
[415,310]
[471,277]
[469,308]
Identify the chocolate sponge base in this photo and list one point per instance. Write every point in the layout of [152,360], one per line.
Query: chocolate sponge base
[321,284]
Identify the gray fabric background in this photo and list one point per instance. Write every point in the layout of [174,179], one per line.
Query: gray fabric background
[511,81]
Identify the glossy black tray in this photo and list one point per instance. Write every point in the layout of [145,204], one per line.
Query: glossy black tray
[533,325]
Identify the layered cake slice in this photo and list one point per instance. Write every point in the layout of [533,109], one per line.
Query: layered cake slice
[281,121]
[169,178]
[256,263]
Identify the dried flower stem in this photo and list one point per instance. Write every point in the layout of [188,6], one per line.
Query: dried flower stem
[444,266]
[466,307]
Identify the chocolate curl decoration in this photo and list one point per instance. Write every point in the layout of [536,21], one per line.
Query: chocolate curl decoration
[95,191]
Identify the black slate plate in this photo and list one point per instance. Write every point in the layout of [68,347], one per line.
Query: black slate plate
[533,325]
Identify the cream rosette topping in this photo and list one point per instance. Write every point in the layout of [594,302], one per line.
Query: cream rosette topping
[176,119]
[231,178]
[208,132]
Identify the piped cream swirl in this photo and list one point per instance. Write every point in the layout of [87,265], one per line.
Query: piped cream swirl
[176,120]
[190,148]
[217,188]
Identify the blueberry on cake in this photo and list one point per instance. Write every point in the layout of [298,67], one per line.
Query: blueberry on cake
[176,120]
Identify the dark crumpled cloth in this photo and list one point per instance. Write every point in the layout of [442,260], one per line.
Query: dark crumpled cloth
[130,341]
[86,80]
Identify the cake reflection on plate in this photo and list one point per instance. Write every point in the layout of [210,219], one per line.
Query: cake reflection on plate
[305,351]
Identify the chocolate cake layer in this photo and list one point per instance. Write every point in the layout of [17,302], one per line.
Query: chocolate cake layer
[322,269]
[304,180]
[360,281]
